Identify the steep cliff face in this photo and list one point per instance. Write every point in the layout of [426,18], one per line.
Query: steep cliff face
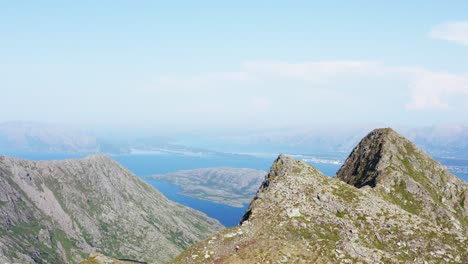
[407,177]
[60,211]
[301,216]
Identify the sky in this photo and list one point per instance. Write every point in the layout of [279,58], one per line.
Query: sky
[234,64]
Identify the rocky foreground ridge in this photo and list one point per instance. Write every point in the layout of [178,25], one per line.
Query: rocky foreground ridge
[61,211]
[390,203]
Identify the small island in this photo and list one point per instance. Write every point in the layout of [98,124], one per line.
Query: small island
[231,186]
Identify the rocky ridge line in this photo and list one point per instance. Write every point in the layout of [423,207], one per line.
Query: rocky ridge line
[301,216]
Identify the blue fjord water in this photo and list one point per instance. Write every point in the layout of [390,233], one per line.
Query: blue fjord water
[146,165]
[227,215]
[149,164]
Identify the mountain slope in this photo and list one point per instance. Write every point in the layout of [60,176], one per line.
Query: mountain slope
[60,211]
[233,186]
[407,177]
[301,216]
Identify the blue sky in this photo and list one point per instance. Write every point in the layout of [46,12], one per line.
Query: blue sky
[245,64]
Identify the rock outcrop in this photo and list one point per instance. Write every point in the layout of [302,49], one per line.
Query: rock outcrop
[301,216]
[60,211]
[408,177]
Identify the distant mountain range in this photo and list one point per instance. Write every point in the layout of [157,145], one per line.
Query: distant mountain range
[444,141]
[50,138]
[34,137]
[337,141]
[441,141]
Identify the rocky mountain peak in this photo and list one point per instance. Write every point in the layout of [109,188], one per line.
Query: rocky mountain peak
[408,177]
[363,166]
[406,208]
[280,168]
[285,177]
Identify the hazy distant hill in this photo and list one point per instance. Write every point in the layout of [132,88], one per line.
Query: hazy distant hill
[50,138]
[442,141]
[60,211]
[45,138]
[439,141]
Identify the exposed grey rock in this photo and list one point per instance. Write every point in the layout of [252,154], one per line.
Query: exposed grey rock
[413,180]
[339,223]
[60,211]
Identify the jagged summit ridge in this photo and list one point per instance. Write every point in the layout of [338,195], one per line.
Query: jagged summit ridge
[301,216]
[281,167]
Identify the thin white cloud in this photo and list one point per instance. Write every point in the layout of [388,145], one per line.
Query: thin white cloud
[427,90]
[433,90]
[254,94]
[312,71]
[456,31]
[424,89]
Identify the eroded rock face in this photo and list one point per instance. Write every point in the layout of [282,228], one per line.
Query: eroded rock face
[361,167]
[301,216]
[60,211]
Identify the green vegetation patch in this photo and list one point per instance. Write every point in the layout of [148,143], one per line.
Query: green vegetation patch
[297,170]
[340,214]
[278,165]
[346,193]
[406,199]
[28,231]
[420,178]
[67,244]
